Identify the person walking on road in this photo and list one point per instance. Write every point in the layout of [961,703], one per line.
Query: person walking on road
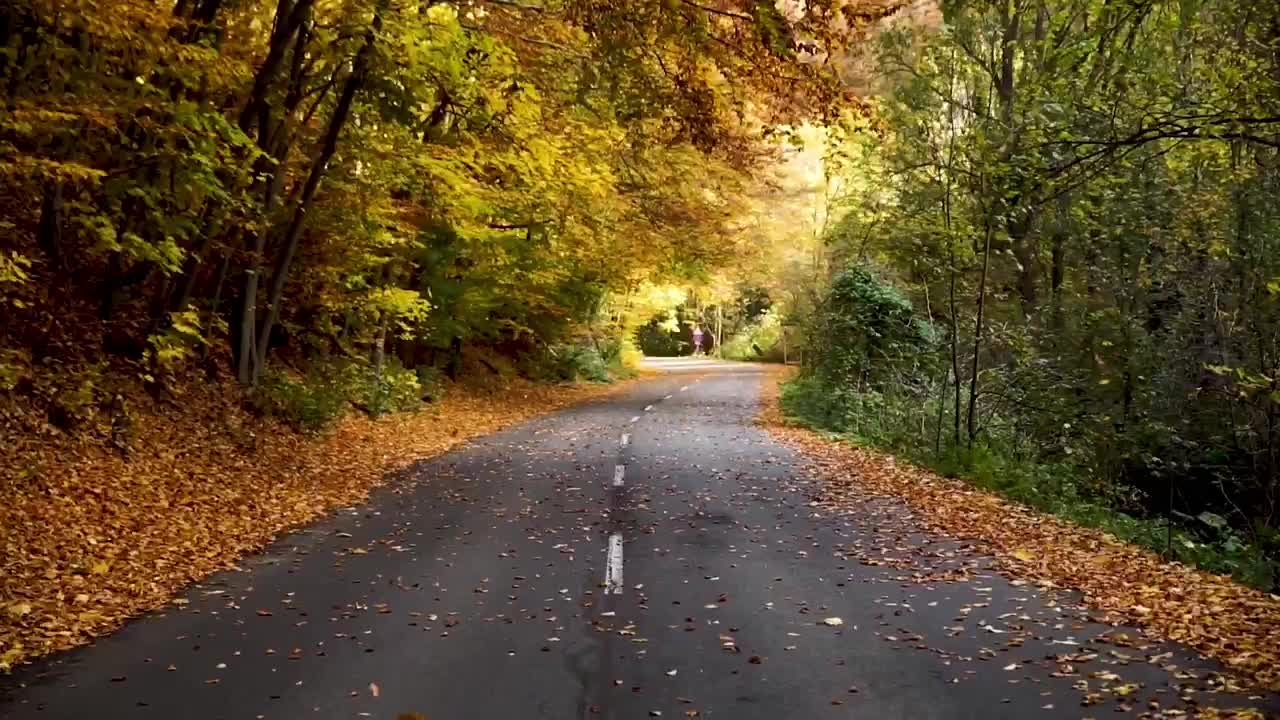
[697,339]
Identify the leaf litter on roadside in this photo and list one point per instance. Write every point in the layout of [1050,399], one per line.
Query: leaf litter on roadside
[1233,624]
[98,538]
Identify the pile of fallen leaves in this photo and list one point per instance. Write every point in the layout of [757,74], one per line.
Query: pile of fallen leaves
[91,536]
[1234,624]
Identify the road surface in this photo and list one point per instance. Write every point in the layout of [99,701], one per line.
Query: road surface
[651,555]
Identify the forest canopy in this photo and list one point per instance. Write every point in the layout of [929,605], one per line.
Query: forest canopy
[223,183]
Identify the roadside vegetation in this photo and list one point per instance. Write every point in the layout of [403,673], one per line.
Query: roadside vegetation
[1053,269]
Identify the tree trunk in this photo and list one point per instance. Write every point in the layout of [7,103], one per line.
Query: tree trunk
[955,345]
[223,267]
[246,373]
[719,328]
[290,15]
[328,146]
[1057,272]
[191,268]
[379,363]
[942,410]
[49,234]
[977,334]
[110,287]
[951,261]
[454,365]
[1024,251]
[289,19]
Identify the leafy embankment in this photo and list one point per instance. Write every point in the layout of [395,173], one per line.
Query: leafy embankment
[1237,625]
[92,535]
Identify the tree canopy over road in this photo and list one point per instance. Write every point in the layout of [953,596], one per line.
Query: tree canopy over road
[209,178]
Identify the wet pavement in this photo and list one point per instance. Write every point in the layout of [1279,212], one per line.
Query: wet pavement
[651,555]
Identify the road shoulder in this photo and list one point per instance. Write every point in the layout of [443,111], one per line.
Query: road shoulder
[1233,624]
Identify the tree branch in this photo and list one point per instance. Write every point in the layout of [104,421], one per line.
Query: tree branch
[511,3]
[518,226]
[532,41]
[717,11]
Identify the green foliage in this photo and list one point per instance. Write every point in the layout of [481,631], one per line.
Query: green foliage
[13,275]
[866,332]
[391,389]
[656,339]
[903,426]
[570,363]
[626,362]
[806,398]
[431,381]
[70,393]
[14,365]
[1080,218]
[179,343]
[760,339]
[312,402]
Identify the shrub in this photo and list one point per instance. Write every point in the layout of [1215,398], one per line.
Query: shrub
[627,360]
[904,425]
[312,402]
[432,382]
[585,363]
[568,363]
[657,338]
[395,389]
[866,332]
[760,340]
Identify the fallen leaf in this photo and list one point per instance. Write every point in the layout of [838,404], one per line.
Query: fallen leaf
[19,609]
[1216,616]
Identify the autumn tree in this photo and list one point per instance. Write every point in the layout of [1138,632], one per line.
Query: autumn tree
[1075,205]
[376,181]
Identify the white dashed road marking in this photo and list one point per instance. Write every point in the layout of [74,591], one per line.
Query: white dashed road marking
[618,470]
[613,566]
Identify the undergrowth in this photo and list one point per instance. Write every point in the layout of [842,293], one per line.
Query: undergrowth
[315,399]
[759,340]
[602,361]
[907,428]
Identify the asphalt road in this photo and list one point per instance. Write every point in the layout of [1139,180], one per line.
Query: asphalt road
[652,555]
